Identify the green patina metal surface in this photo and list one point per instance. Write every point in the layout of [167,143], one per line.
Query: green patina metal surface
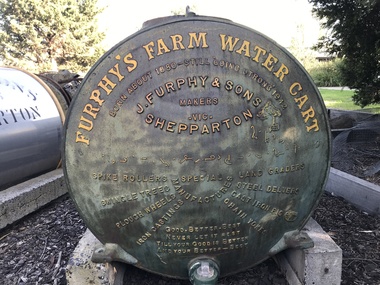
[197,137]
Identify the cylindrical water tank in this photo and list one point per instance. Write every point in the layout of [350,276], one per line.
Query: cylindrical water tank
[31,120]
[196,147]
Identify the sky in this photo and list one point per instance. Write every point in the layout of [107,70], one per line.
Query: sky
[280,20]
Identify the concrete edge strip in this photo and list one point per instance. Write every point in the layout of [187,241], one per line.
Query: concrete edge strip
[20,200]
[359,192]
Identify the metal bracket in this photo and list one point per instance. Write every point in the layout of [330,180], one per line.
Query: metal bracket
[112,252]
[292,239]
[189,13]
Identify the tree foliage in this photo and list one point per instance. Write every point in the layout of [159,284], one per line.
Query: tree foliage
[354,35]
[326,74]
[44,35]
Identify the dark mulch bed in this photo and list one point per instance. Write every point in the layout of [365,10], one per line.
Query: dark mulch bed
[357,234]
[36,249]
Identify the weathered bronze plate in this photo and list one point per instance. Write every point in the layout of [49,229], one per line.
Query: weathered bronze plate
[197,137]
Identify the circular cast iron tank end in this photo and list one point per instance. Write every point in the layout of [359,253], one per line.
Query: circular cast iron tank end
[197,138]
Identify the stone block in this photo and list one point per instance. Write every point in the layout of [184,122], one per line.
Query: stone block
[321,264]
[81,270]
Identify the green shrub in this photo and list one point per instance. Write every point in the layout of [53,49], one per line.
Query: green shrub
[326,74]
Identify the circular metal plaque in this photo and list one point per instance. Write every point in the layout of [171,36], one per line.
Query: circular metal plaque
[196,137]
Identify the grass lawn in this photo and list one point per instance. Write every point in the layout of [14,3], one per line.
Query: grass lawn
[342,99]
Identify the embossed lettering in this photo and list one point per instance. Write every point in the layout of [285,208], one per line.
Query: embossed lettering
[159,47]
[244,48]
